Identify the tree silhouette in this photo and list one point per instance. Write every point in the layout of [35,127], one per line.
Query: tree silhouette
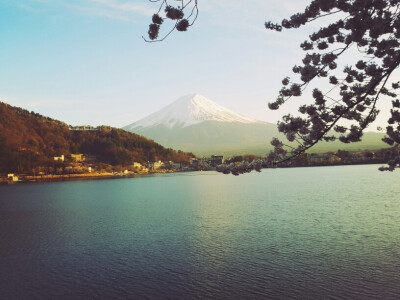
[372,29]
[368,28]
[182,15]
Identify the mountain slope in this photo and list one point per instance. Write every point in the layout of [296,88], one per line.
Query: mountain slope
[211,137]
[28,140]
[196,124]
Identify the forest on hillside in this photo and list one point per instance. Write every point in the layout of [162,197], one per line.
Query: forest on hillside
[29,140]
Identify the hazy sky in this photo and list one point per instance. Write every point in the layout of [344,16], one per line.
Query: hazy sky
[85,62]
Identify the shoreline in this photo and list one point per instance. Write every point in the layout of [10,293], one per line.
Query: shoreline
[98,176]
[77,177]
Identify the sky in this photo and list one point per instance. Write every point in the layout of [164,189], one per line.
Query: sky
[85,61]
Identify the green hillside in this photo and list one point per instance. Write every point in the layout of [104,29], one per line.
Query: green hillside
[232,139]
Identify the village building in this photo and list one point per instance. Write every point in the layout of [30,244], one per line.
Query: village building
[83,128]
[216,160]
[173,165]
[77,157]
[177,166]
[323,158]
[59,158]
[137,165]
[155,165]
[363,156]
[194,162]
[12,177]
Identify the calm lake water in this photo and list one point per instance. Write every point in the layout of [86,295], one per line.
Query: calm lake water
[300,233]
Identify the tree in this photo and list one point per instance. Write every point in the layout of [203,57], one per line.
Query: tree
[371,28]
[182,15]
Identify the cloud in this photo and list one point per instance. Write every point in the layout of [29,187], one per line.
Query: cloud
[228,13]
[122,10]
[25,7]
[250,13]
[125,6]
[98,12]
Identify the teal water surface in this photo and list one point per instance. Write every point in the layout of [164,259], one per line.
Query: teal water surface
[299,233]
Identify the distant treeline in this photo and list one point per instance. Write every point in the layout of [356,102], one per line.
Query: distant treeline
[28,140]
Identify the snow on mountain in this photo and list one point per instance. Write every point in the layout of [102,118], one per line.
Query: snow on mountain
[190,110]
[196,124]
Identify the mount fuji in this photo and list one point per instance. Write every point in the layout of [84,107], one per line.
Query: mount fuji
[196,124]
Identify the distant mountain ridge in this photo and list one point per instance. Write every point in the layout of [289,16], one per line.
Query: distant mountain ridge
[199,125]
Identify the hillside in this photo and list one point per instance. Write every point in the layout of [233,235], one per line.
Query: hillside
[28,140]
[214,137]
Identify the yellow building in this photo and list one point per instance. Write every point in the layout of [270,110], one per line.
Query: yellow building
[12,177]
[137,165]
[77,157]
[59,158]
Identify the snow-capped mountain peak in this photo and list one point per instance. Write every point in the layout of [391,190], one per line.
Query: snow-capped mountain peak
[189,110]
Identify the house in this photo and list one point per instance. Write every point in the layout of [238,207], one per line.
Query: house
[77,157]
[137,165]
[194,162]
[173,165]
[143,170]
[59,158]
[12,177]
[83,128]
[177,166]
[155,165]
[323,158]
[216,160]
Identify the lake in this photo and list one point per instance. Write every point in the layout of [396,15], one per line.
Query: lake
[298,233]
